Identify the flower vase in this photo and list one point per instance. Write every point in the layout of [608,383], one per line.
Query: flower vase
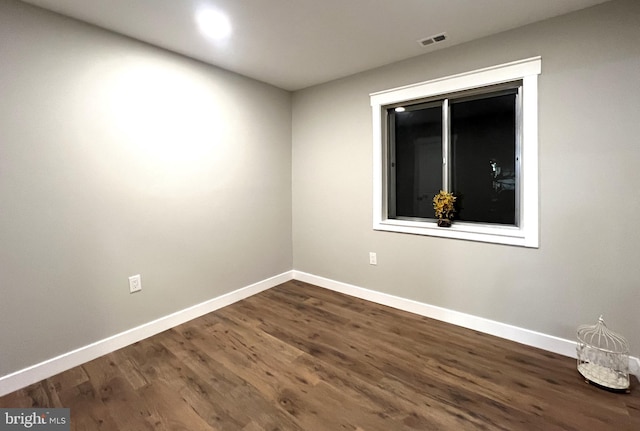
[444,222]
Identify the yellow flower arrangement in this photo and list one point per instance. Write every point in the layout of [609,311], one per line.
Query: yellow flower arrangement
[444,205]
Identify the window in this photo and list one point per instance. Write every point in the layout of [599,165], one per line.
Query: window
[464,143]
[473,134]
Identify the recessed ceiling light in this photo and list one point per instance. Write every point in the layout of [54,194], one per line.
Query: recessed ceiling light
[400,109]
[214,24]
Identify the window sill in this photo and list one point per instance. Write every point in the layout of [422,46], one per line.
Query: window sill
[465,231]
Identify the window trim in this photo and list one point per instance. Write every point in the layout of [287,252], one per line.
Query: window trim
[526,233]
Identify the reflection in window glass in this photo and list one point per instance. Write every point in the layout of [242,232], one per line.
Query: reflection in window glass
[483,158]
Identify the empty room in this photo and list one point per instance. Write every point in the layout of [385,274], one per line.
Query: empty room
[319,215]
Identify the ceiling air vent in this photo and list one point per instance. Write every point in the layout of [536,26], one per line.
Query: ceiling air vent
[432,39]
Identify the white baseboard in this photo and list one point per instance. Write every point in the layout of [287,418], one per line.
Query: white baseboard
[524,336]
[53,366]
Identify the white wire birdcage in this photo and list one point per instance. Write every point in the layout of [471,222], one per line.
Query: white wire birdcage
[603,356]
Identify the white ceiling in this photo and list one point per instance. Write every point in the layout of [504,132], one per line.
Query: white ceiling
[294,44]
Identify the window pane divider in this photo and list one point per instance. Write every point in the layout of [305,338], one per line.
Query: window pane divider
[446,166]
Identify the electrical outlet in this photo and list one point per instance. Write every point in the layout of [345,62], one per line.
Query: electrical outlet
[373,258]
[135,283]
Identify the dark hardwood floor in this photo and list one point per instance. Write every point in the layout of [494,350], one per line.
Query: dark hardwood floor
[299,357]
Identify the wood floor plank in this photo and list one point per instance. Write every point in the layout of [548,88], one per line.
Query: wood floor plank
[88,412]
[162,367]
[301,358]
[122,402]
[226,389]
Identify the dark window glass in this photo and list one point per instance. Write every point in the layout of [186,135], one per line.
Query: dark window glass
[483,158]
[416,160]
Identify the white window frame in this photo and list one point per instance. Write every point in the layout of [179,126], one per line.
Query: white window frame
[526,232]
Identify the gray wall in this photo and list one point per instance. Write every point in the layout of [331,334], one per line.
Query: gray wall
[588,260]
[117,158]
